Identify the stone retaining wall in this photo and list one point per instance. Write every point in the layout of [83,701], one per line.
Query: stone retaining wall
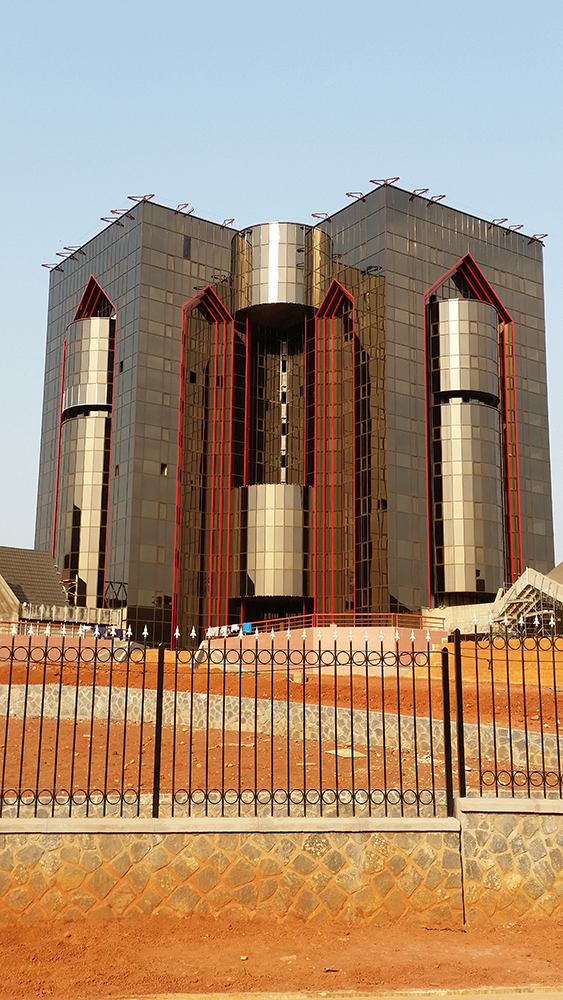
[529,749]
[497,860]
[321,874]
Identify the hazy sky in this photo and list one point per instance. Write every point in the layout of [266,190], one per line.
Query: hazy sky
[261,110]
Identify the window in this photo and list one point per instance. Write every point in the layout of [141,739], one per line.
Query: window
[193,378]
[164,469]
[187,248]
[116,470]
[120,367]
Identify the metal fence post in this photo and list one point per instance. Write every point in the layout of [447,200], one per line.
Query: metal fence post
[447,732]
[158,732]
[460,732]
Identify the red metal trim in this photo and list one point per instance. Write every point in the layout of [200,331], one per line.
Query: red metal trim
[517,468]
[485,293]
[213,451]
[55,512]
[230,488]
[324,466]
[332,469]
[221,477]
[246,404]
[109,459]
[315,451]
[90,298]
[179,478]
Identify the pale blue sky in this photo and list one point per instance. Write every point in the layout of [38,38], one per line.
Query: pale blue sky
[261,110]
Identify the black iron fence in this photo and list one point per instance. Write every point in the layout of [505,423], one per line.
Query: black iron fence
[246,727]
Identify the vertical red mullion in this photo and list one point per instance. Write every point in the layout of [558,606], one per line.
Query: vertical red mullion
[246,404]
[315,448]
[324,467]
[229,484]
[179,476]
[221,473]
[517,466]
[508,463]
[332,526]
[59,448]
[354,443]
[427,429]
[342,491]
[109,457]
[213,450]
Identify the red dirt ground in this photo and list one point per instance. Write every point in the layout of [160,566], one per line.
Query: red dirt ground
[198,954]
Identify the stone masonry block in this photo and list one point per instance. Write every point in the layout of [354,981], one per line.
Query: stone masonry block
[247,896]
[317,881]
[303,864]
[29,854]
[371,861]
[122,863]
[497,844]
[533,888]
[451,859]
[84,900]
[205,879]
[536,849]
[409,881]
[285,849]
[218,897]
[492,879]
[53,902]
[472,870]
[317,845]
[292,882]
[121,897]
[281,902]
[434,877]
[184,899]
[384,882]
[152,898]
[184,865]
[395,904]
[139,876]
[6,860]
[333,898]
[407,842]
[70,852]
[422,899]
[100,883]
[270,866]
[18,899]
[425,856]
[306,902]
[350,879]
[220,861]
[505,824]
[109,844]
[157,858]
[239,874]
[174,842]
[164,881]
[202,848]
[334,861]
[250,851]
[505,861]
[90,860]
[50,862]
[396,863]
[268,887]
[38,883]
[139,848]
[368,900]
[20,874]
[70,877]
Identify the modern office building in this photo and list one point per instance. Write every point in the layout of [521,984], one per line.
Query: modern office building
[343,417]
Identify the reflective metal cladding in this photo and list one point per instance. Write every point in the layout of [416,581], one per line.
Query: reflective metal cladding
[344,418]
